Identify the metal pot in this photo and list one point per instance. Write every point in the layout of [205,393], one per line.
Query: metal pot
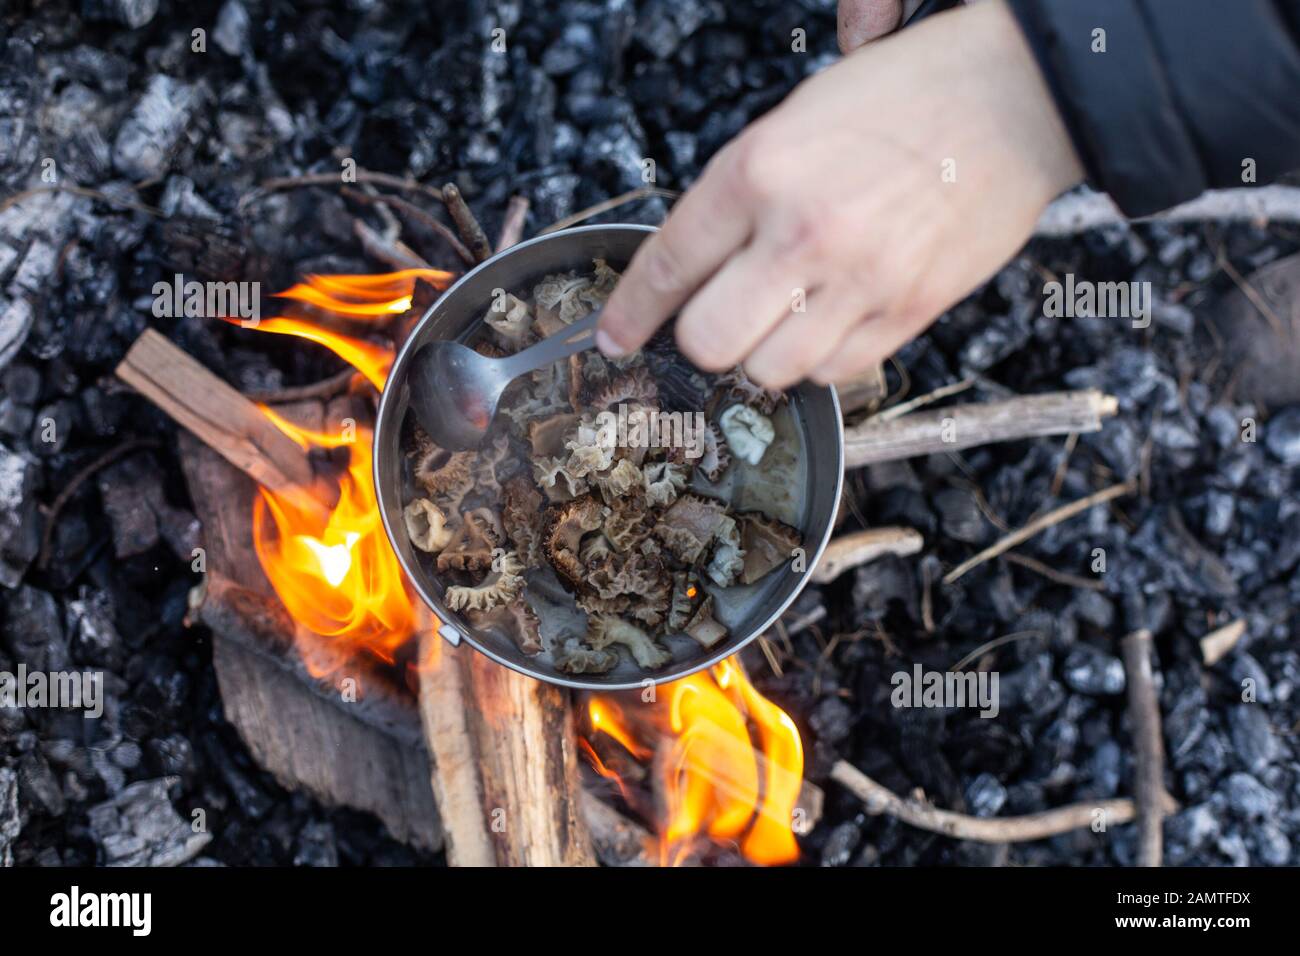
[458,315]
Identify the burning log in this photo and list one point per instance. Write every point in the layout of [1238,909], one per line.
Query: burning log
[964,426]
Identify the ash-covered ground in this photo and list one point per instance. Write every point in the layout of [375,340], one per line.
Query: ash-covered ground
[563,106]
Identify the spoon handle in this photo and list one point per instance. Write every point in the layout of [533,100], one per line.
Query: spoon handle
[573,338]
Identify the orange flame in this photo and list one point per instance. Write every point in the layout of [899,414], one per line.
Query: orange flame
[334,570]
[714,781]
[364,297]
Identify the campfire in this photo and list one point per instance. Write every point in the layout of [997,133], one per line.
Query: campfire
[721,764]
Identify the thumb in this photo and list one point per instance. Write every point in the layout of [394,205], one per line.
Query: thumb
[861,21]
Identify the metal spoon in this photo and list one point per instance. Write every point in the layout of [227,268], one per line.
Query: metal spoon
[455,390]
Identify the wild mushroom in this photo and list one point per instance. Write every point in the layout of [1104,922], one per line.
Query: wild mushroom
[516,620]
[511,319]
[767,544]
[634,386]
[555,478]
[445,476]
[664,481]
[572,656]
[728,559]
[747,432]
[604,630]
[547,435]
[703,626]
[426,525]
[590,450]
[619,481]
[470,548]
[565,526]
[521,517]
[688,526]
[714,456]
[502,586]
[628,522]
[736,385]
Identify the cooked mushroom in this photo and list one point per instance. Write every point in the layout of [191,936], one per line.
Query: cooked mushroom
[590,450]
[688,526]
[445,476]
[470,548]
[574,657]
[604,630]
[502,586]
[716,455]
[516,619]
[511,319]
[556,480]
[767,544]
[703,626]
[628,522]
[634,386]
[565,526]
[621,480]
[738,386]
[547,435]
[664,481]
[521,517]
[728,559]
[747,432]
[687,594]
[426,525]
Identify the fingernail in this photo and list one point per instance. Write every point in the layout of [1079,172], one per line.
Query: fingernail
[605,342]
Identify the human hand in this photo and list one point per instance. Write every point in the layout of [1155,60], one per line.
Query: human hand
[883,190]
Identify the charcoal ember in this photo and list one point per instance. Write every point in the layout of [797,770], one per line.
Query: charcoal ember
[1094,608]
[32,631]
[985,796]
[840,844]
[129,13]
[1104,769]
[316,846]
[172,756]
[1233,847]
[11,822]
[90,628]
[152,131]
[1242,667]
[1253,742]
[1185,723]
[1272,847]
[52,428]
[1282,435]
[138,510]
[38,786]
[619,149]
[960,517]
[1249,798]
[576,46]
[1089,670]
[662,25]
[1188,831]
[832,720]
[999,337]
[883,581]
[19,520]
[231,32]
[140,827]
[1220,509]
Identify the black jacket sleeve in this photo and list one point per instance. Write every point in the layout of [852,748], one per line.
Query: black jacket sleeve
[1184,93]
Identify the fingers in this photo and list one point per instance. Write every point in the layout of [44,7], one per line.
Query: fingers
[805,340]
[861,21]
[747,298]
[871,341]
[707,226]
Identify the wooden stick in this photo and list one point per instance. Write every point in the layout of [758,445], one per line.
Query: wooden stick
[1216,645]
[632,195]
[1149,776]
[512,226]
[959,826]
[964,426]
[416,214]
[336,179]
[466,223]
[850,550]
[216,413]
[1039,524]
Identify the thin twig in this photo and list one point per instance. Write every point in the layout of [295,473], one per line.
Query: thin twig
[395,254]
[325,388]
[643,192]
[512,224]
[1249,291]
[414,212]
[80,478]
[466,223]
[1063,467]
[1149,772]
[959,826]
[991,645]
[1216,644]
[1060,577]
[336,179]
[1037,525]
[79,191]
[902,408]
